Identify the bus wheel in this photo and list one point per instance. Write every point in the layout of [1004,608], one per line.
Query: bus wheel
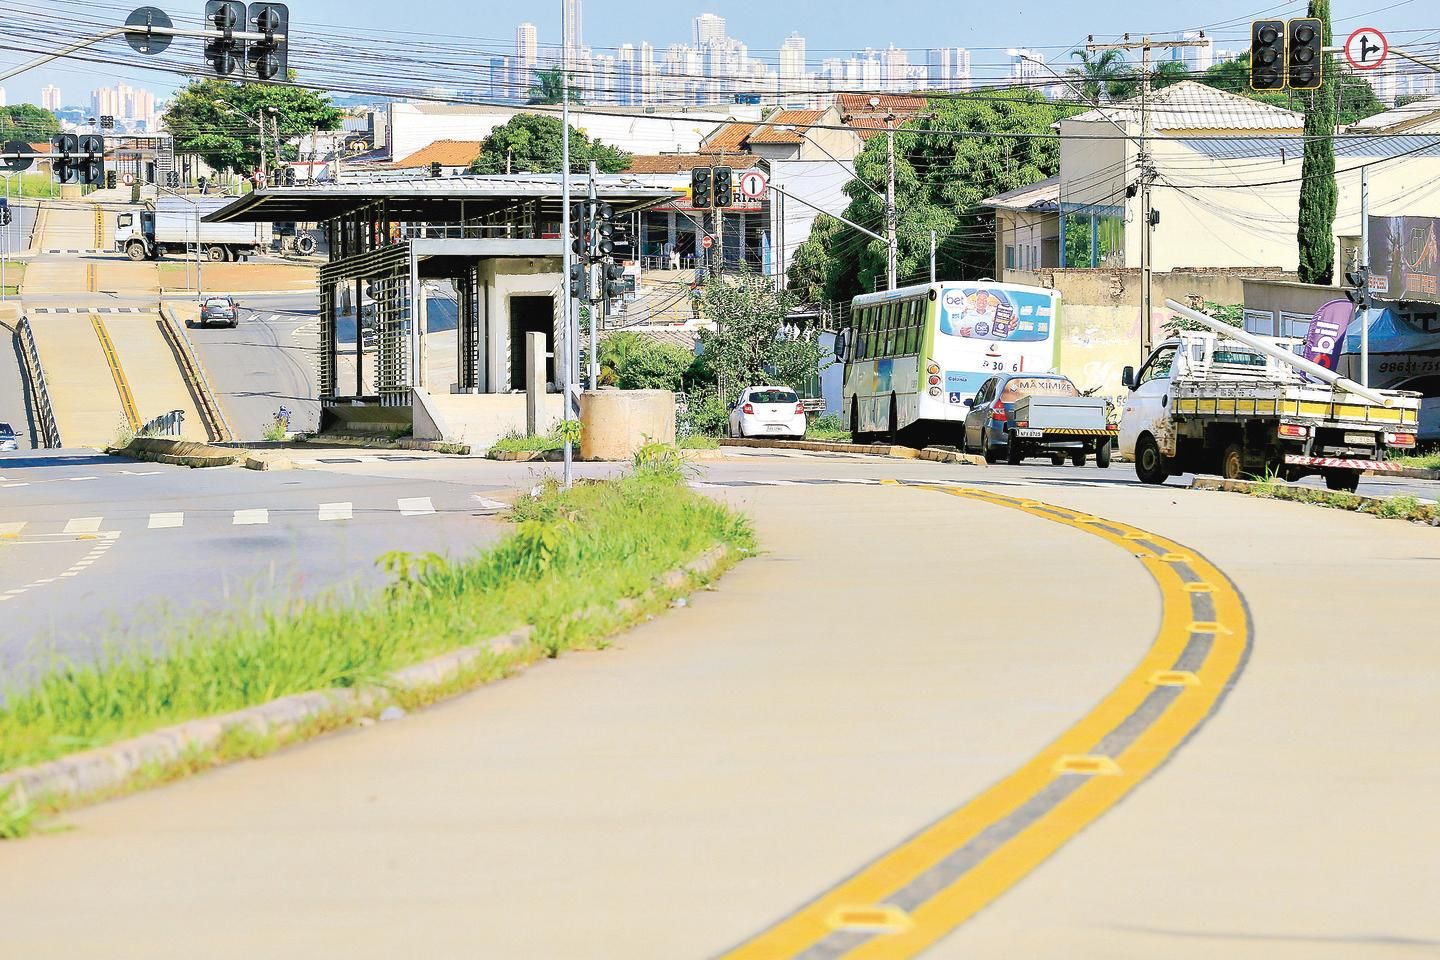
[855,435]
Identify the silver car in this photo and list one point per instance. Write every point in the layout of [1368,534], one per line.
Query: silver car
[8,440]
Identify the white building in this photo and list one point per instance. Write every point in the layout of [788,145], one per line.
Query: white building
[3,101]
[947,68]
[1028,67]
[1196,59]
[896,69]
[706,28]
[50,98]
[574,36]
[792,60]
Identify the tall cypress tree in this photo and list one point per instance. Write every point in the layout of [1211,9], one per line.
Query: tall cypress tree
[1318,195]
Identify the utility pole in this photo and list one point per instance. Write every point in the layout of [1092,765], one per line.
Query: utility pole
[1365,273]
[891,219]
[562,360]
[593,366]
[1145,162]
[932,256]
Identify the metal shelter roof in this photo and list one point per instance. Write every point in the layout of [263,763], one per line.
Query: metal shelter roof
[438,199]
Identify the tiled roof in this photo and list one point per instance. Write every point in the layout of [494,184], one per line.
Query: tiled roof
[858,104]
[1188,105]
[770,131]
[449,153]
[729,138]
[867,127]
[669,162]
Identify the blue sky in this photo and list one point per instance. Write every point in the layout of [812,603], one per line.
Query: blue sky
[831,27]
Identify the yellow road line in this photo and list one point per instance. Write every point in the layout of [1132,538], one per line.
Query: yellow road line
[938,879]
[91,278]
[99,228]
[122,386]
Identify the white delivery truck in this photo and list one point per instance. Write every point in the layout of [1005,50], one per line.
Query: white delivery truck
[1231,403]
[169,226]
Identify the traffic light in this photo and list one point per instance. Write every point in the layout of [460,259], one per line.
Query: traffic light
[5,214]
[604,229]
[62,157]
[110,179]
[224,53]
[268,57]
[1305,59]
[90,166]
[288,177]
[579,277]
[435,169]
[615,286]
[1358,286]
[700,198]
[1267,55]
[724,187]
[172,179]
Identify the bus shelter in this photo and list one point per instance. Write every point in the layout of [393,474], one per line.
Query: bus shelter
[495,241]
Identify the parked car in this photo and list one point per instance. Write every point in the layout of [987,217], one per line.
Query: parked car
[8,440]
[219,312]
[768,412]
[1019,415]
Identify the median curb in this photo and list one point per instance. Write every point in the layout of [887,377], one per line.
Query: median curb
[184,453]
[937,454]
[108,770]
[1355,502]
[1409,473]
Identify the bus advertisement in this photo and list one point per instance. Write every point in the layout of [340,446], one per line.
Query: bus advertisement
[913,356]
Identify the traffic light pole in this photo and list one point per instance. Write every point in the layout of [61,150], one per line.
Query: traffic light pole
[592,365]
[1365,272]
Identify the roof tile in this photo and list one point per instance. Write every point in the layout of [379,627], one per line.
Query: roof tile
[448,153]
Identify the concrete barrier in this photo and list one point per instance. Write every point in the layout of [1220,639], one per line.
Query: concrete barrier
[183,453]
[617,423]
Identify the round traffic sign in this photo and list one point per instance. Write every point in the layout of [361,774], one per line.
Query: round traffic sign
[128,179]
[15,164]
[1366,48]
[141,41]
[753,184]
[707,242]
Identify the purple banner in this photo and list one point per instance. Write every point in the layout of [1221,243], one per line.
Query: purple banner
[1327,333]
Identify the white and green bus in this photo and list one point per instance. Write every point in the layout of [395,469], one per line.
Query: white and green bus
[913,356]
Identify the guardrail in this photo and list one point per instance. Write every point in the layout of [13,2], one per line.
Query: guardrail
[39,389]
[216,426]
[165,425]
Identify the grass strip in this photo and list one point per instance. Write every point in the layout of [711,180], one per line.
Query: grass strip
[571,556]
[1387,508]
[1423,461]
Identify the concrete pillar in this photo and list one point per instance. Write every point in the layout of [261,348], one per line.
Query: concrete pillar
[534,380]
[616,423]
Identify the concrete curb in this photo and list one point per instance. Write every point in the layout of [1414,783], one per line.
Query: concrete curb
[1247,487]
[106,770]
[1410,473]
[863,449]
[176,293]
[183,453]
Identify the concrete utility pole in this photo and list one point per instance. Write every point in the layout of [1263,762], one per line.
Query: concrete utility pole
[593,365]
[562,358]
[932,256]
[891,220]
[1365,272]
[1145,161]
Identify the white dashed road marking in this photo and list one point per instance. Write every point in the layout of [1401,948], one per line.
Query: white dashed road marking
[83,525]
[245,517]
[336,511]
[414,506]
[12,528]
[161,521]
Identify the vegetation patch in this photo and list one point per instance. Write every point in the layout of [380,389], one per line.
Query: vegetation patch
[1388,508]
[1422,461]
[829,428]
[572,569]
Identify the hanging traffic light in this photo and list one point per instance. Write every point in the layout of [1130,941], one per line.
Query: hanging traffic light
[62,157]
[615,286]
[267,57]
[1305,54]
[1358,286]
[604,229]
[90,166]
[700,196]
[1267,55]
[724,187]
[224,53]
[435,169]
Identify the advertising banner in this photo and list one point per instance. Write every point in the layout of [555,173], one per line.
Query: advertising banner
[1404,258]
[1326,336]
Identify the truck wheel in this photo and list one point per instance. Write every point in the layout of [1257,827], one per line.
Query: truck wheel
[135,251]
[1057,459]
[1232,462]
[1346,480]
[1149,461]
[1102,454]
[215,253]
[1013,452]
[1078,457]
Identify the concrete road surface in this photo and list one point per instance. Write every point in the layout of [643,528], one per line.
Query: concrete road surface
[894,656]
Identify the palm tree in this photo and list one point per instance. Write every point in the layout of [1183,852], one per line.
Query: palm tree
[1169,71]
[549,87]
[1104,76]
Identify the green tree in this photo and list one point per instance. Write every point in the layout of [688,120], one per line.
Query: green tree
[1355,98]
[549,87]
[810,266]
[1167,73]
[1315,228]
[633,361]
[230,142]
[747,346]
[530,143]
[25,121]
[1102,75]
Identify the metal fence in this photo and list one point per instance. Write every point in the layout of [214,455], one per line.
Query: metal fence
[165,425]
[44,411]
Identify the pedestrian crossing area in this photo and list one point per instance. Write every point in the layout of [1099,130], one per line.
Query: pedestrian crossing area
[102,310]
[332,512]
[358,458]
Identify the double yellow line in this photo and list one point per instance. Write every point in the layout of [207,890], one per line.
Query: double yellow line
[122,386]
[99,228]
[913,895]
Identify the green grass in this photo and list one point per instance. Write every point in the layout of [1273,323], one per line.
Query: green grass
[571,555]
[514,442]
[829,429]
[699,441]
[33,185]
[1423,461]
[1388,508]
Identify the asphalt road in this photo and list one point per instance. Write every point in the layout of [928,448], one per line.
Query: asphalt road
[182,544]
[801,759]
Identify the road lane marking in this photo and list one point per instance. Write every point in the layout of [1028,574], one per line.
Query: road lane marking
[248,517]
[122,386]
[83,525]
[943,875]
[336,511]
[164,521]
[414,506]
[11,528]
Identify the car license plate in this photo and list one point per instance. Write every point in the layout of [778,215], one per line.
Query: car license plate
[1029,433]
[774,428]
[1360,439]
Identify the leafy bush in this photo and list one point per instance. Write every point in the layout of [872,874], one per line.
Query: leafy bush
[707,414]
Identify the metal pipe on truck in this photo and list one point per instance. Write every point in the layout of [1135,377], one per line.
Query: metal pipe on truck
[1281,354]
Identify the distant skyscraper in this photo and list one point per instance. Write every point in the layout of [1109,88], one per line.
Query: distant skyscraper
[792,59]
[708,27]
[50,98]
[1027,66]
[1196,59]
[527,46]
[947,68]
[896,68]
[574,35]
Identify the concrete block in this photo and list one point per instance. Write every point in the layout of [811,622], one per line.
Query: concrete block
[617,423]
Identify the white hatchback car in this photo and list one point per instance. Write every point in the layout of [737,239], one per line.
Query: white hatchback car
[768,412]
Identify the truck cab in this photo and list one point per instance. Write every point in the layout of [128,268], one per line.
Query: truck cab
[135,234]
